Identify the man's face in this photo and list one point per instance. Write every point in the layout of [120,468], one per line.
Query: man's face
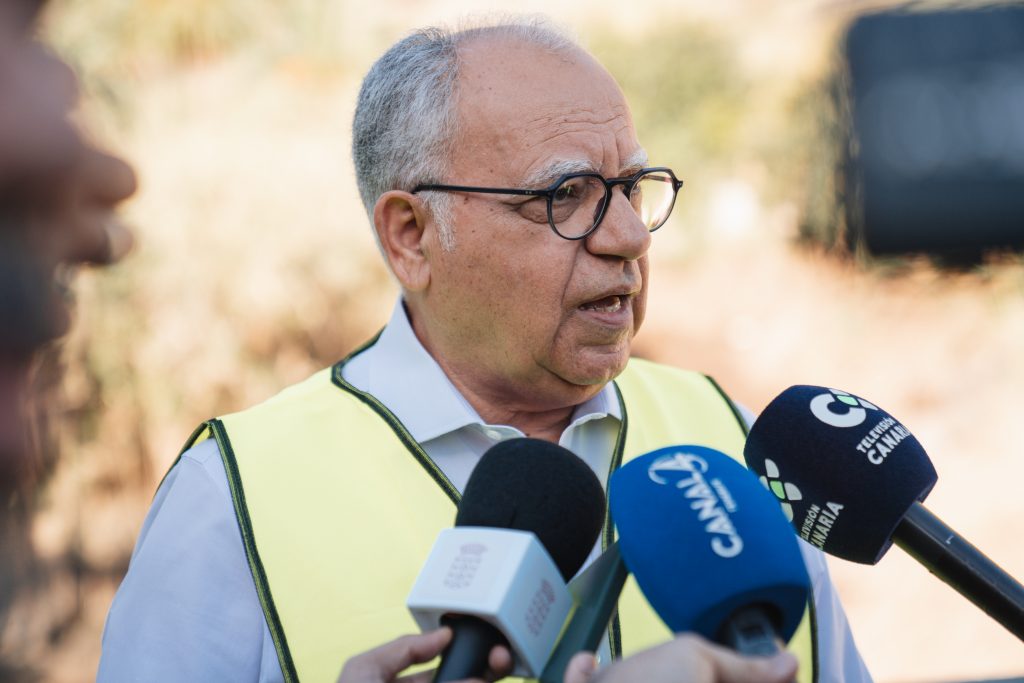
[522,314]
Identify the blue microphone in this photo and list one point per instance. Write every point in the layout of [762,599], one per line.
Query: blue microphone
[709,547]
[851,479]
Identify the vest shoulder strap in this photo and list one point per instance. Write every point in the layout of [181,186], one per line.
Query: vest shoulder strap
[671,406]
[337,510]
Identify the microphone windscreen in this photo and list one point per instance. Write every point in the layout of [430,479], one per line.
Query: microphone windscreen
[533,485]
[845,470]
[703,539]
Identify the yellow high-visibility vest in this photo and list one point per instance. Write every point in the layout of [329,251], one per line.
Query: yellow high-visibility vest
[338,507]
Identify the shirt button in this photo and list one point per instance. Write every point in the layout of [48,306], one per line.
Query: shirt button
[493,434]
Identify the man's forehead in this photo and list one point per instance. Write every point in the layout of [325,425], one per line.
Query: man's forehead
[541,113]
[518,91]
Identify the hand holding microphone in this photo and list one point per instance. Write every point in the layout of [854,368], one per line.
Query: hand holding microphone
[685,659]
[384,663]
[515,486]
[529,516]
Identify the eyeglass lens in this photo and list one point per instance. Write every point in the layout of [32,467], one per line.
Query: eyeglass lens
[579,202]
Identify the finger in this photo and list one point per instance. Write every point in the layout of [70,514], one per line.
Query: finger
[416,650]
[581,668]
[499,663]
[428,676]
[387,660]
[734,668]
[421,677]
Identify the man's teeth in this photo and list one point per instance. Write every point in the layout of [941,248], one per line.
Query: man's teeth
[609,304]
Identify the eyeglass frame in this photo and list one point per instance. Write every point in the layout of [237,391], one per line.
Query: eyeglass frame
[627,182]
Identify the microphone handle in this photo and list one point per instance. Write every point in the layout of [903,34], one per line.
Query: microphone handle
[950,557]
[596,593]
[749,631]
[466,656]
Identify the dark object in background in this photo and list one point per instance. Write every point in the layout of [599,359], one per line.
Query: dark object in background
[934,160]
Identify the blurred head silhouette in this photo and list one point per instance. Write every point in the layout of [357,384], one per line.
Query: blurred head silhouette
[57,199]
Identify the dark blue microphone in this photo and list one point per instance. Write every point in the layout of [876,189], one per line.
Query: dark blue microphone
[709,547]
[851,479]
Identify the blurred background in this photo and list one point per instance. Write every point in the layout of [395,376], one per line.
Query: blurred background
[255,265]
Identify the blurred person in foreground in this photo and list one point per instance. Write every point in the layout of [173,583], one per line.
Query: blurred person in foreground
[57,201]
[515,206]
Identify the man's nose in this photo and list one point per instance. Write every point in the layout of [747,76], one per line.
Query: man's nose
[621,233]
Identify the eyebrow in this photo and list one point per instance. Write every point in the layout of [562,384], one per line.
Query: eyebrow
[548,174]
[634,162]
[556,169]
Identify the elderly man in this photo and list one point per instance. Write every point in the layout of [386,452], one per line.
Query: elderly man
[514,205]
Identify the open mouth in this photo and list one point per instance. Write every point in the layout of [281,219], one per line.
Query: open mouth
[609,304]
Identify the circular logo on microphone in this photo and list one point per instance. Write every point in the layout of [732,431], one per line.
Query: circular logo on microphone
[783,490]
[840,409]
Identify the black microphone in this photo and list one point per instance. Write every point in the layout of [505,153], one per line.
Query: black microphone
[595,595]
[489,577]
[851,479]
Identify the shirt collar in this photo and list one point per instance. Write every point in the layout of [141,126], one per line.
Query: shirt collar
[406,378]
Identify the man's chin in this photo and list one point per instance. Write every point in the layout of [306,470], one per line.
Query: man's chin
[593,368]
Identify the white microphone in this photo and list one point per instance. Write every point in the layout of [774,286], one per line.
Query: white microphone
[502,576]
[529,516]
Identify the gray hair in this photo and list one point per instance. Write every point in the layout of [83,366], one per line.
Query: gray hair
[406,120]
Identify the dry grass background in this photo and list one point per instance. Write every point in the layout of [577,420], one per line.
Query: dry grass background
[255,267]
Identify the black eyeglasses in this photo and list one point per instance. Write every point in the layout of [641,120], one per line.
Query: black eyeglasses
[577,202]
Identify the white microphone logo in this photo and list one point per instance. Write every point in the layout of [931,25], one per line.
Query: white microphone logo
[855,414]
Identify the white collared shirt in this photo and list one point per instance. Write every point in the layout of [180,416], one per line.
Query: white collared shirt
[188,609]
[446,425]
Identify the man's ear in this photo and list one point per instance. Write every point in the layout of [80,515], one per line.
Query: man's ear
[401,223]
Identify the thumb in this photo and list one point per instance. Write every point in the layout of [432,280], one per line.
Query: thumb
[581,668]
[387,661]
[733,668]
[409,650]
